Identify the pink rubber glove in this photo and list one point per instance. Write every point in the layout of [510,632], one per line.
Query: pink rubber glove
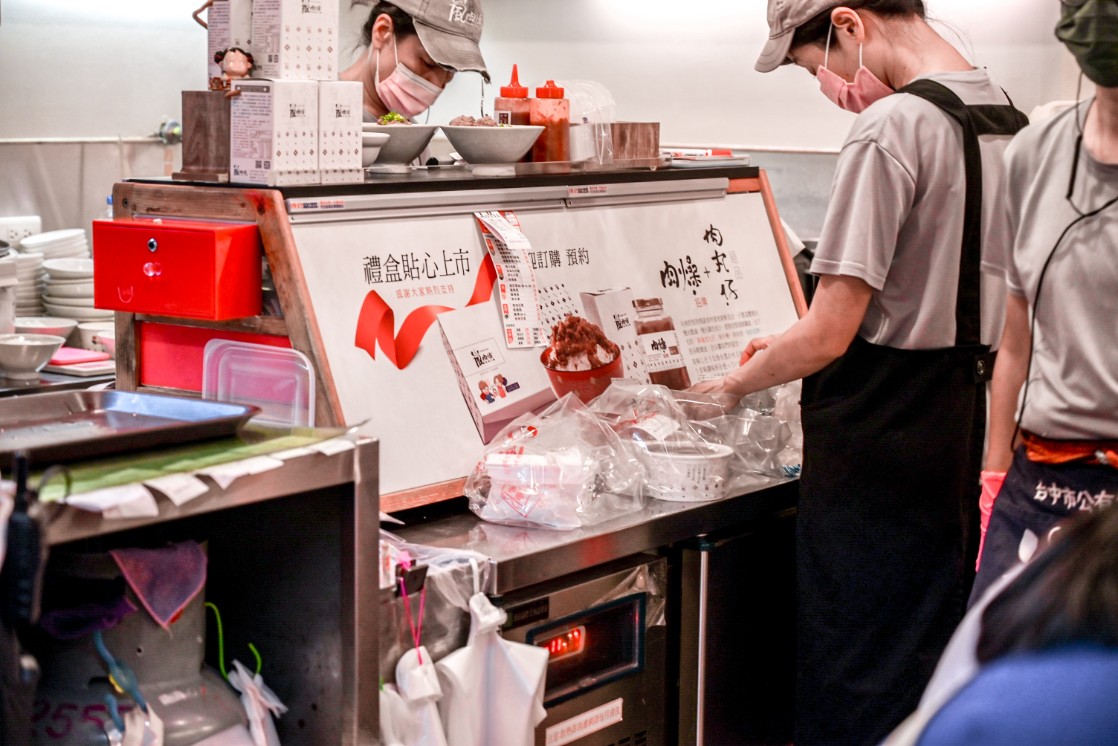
[991,482]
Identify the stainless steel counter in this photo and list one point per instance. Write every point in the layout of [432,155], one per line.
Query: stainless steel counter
[49,382]
[525,556]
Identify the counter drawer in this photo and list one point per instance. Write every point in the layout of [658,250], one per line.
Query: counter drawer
[186,269]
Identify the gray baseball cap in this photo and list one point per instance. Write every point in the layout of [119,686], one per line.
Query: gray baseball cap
[449,30]
[785,16]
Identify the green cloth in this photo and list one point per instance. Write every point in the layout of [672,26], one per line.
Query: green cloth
[129,468]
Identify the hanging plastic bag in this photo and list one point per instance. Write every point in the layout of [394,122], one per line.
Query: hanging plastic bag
[416,679]
[447,588]
[260,703]
[418,684]
[396,724]
[563,468]
[492,688]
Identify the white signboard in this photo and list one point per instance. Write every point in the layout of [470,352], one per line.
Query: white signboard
[707,267]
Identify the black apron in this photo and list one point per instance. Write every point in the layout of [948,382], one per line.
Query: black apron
[888,517]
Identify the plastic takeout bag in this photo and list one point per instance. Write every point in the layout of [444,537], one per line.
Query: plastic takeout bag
[656,423]
[764,433]
[563,468]
[492,688]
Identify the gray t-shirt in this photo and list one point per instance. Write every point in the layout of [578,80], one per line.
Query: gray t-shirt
[1073,381]
[896,216]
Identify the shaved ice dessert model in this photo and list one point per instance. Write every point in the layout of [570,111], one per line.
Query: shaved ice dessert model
[580,359]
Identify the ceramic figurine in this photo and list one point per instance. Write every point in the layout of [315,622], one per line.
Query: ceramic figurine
[235,64]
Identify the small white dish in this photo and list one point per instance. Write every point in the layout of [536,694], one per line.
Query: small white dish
[78,312]
[70,268]
[107,341]
[50,238]
[69,289]
[57,325]
[88,332]
[86,302]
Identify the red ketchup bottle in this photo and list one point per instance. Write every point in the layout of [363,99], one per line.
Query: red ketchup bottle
[512,106]
[550,109]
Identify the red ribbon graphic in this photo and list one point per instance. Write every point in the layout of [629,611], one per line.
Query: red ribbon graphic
[376,322]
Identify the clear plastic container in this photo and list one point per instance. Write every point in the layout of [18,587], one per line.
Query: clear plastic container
[592,112]
[278,380]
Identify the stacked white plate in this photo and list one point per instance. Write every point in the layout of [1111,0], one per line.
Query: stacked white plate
[68,291]
[62,244]
[29,284]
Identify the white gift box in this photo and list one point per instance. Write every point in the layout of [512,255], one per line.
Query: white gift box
[228,24]
[612,310]
[339,132]
[498,384]
[295,39]
[273,132]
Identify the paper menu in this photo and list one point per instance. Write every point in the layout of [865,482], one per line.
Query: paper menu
[517,287]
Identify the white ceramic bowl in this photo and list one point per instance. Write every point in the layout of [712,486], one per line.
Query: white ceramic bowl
[492,144]
[405,143]
[107,341]
[58,326]
[89,331]
[86,302]
[80,313]
[22,356]
[686,472]
[371,143]
[62,237]
[69,268]
[69,288]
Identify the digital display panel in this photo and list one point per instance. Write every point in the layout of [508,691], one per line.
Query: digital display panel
[571,642]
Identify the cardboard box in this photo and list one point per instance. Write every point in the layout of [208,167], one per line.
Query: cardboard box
[339,132]
[613,312]
[295,39]
[498,384]
[273,132]
[228,24]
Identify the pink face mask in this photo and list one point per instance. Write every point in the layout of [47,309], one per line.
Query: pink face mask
[403,91]
[856,96]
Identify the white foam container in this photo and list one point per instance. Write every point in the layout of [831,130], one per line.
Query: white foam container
[686,472]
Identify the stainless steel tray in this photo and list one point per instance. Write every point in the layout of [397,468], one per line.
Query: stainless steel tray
[68,425]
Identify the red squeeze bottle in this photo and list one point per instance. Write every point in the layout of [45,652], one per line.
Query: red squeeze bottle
[512,106]
[550,109]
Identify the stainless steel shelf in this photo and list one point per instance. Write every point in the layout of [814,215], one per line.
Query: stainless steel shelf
[525,556]
[358,541]
[302,474]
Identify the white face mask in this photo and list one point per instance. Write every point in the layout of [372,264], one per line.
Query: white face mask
[403,91]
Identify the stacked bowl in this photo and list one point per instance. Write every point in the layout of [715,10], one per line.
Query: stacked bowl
[70,242]
[68,291]
[29,284]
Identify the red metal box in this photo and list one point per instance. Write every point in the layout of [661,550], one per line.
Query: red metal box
[186,269]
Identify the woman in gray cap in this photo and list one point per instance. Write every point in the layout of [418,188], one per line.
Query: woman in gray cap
[414,49]
[894,353]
